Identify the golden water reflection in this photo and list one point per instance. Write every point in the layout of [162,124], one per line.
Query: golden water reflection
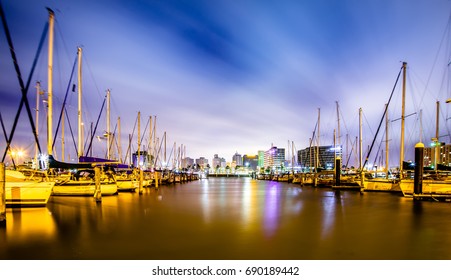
[29,224]
[229,218]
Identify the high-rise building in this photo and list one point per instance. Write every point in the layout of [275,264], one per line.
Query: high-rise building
[308,157]
[251,161]
[202,162]
[187,162]
[237,159]
[261,159]
[216,161]
[274,158]
[443,154]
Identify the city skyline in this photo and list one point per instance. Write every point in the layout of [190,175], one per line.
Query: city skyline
[224,77]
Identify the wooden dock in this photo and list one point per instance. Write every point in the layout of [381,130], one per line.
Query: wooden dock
[347,188]
[433,197]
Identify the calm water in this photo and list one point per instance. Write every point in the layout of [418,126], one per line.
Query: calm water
[231,218]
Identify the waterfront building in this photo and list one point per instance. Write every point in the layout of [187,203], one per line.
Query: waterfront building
[187,162]
[237,159]
[218,162]
[325,157]
[274,158]
[444,156]
[202,162]
[251,162]
[261,159]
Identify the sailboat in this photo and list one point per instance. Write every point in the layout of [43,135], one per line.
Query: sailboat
[81,181]
[23,192]
[126,180]
[392,184]
[435,183]
[20,190]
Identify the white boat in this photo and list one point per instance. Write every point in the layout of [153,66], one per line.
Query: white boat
[126,182]
[83,184]
[21,192]
[430,187]
[382,184]
[373,183]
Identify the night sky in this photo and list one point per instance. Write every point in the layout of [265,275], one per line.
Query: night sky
[235,76]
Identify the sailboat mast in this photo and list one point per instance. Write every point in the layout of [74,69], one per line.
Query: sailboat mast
[80,120]
[165,163]
[338,126]
[139,140]
[176,155]
[360,141]
[38,92]
[155,154]
[403,118]
[108,146]
[317,144]
[62,138]
[437,145]
[335,145]
[288,151]
[347,148]
[150,141]
[50,84]
[386,141]
[119,147]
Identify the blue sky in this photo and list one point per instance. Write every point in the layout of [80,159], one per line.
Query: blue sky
[236,76]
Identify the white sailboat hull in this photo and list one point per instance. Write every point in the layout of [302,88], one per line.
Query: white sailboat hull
[429,187]
[81,188]
[380,184]
[127,185]
[28,193]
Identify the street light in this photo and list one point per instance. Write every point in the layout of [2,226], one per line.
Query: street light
[448,100]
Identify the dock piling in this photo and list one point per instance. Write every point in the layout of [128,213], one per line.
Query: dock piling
[362,181]
[2,195]
[140,184]
[156,179]
[337,171]
[98,191]
[418,176]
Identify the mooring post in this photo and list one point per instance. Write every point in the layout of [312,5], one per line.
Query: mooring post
[337,171]
[141,178]
[98,191]
[362,181]
[2,195]
[418,177]
[156,179]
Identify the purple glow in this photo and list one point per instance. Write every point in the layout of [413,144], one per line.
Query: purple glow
[223,77]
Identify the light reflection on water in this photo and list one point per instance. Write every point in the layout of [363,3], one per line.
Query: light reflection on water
[230,218]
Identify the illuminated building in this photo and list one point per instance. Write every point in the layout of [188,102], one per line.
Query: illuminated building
[326,157]
[261,159]
[274,158]
[237,159]
[202,162]
[444,155]
[250,161]
[187,162]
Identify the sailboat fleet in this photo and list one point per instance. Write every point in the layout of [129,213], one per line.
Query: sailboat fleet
[435,185]
[91,176]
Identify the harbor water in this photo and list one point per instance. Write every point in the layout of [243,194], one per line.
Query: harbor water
[231,219]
